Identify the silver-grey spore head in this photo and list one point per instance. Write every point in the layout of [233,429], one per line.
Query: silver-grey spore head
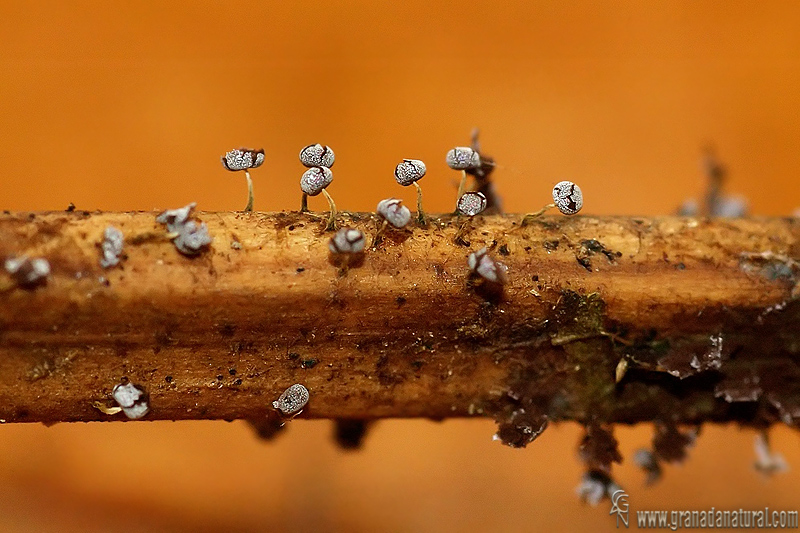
[189,237]
[568,197]
[111,247]
[689,208]
[28,273]
[482,264]
[292,400]
[596,486]
[472,203]
[347,241]
[126,394]
[463,158]
[315,179]
[132,399]
[243,159]
[174,218]
[768,462]
[730,207]
[138,410]
[192,238]
[317,155]
[409,171]
[394,212]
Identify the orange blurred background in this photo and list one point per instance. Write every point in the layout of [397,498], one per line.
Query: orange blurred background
[129,105]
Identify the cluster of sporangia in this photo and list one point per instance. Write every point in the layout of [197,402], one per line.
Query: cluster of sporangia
[191,237]
[350,242]
[319,159]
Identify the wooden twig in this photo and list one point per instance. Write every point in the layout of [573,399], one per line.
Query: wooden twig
[702,313]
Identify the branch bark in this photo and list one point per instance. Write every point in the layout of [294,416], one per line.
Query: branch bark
[703,314]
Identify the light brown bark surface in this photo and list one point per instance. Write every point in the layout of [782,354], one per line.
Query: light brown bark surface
[406,332]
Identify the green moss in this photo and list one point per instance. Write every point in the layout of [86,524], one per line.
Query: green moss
[577,317]
[591,378]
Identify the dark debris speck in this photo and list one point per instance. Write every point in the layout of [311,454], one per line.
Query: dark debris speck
[227,330]
[349,434]
[670,444]
[589,247]
[267,428]
[520,428]
[599,448]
